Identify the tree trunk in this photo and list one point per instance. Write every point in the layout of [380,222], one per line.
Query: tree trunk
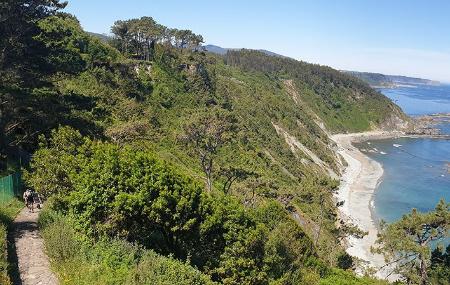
[208,175]
[423,271]
[207,169]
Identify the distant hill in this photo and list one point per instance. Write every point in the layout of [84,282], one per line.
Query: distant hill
[391,81]
[222,51]
[103,37]
[216,49]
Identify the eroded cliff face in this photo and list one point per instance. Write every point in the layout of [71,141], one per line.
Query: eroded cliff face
[397,121]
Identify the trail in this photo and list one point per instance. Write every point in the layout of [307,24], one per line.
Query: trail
[33,263]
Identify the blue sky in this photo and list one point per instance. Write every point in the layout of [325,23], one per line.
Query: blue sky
[405,37]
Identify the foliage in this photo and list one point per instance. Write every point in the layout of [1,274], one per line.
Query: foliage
[137,37]
[143,185]
[207,133]
[341,101]
[7,213]
[440,266]
[23,59]
[29,109]
[155,269]
[49,168]
[341,277]
[113,191]
[406,243]
[109,261]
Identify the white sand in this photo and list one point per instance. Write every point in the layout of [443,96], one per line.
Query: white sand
[358,184]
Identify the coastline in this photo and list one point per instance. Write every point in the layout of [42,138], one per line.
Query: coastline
[359,181]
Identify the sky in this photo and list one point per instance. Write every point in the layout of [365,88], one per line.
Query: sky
[399,37]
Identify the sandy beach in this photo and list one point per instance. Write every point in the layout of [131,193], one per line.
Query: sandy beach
[358,184]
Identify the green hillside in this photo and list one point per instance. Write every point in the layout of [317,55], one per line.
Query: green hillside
[390,81]
[221,162]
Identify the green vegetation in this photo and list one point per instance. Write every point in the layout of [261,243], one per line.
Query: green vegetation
[115,261]
[382,80]
[126,136]
[406,244]
[440,266]
[373,79]
[106,194]
[117,192]
[343,102]
[137,37]
[7,214]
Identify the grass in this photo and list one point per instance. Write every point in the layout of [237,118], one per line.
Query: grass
[7,213]
[79,261]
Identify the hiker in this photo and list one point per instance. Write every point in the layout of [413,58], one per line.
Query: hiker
[29,200]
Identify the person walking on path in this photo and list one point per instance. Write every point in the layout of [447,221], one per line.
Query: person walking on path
[28,197]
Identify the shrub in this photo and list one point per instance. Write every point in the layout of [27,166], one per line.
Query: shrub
[78,261]
[154,269]
[7,213]
[341,277]
[60,241]
[4,279]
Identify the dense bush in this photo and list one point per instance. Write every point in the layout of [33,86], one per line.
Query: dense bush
[154,269]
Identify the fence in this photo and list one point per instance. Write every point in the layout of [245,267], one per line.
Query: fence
[10,187]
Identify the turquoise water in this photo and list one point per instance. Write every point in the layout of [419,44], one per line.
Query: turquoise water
[416,174]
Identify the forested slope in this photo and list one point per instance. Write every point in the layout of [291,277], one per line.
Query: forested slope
[224,161]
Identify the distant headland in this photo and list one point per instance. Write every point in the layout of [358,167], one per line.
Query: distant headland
[378,80]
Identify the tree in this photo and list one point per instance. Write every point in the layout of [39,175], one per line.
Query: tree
[22,56]
[138,37]
[23,61]
[232,174]
[206,134]
[440,266]
[184,38]
[33,105]
[49,170]
[121,30]
[406,243]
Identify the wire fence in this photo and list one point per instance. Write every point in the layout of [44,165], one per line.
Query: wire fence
[10,187]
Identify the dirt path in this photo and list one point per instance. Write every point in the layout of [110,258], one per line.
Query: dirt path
[34,267]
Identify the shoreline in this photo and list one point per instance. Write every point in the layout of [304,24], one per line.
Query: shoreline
[359,181]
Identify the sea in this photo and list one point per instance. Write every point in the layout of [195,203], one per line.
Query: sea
[416,170]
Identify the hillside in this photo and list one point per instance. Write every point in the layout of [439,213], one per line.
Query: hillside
[219,166]
[222,51]
[103,37]
[382,80]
